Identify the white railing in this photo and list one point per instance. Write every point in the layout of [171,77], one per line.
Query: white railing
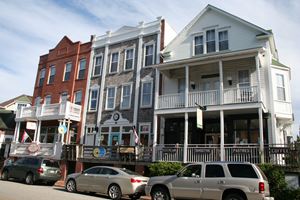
[171,101]
[26,112]
[241,95]
[283,107]
[211,97]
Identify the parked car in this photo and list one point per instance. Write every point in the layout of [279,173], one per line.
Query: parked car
[113,181]
[212,180]
[32,170]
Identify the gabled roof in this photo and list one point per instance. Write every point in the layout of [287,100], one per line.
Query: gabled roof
[21,98]
[64,39]
[277,63]
[125,29]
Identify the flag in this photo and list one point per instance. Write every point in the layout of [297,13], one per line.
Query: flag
[25,136]
[136,136]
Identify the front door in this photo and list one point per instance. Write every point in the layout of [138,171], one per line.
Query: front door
[114,139]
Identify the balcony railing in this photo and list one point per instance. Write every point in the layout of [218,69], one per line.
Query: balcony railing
[65,110]
[282,107]
[211,97]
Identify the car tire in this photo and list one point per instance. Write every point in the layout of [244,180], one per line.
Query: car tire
[4,175]
[29,179]
[114,192]
[71,186]
[234,197]
[160,193]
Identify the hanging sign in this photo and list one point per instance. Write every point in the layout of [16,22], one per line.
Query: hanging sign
[199,118]
[31,125]
[62,129]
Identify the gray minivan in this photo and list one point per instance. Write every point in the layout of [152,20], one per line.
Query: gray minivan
[32,170]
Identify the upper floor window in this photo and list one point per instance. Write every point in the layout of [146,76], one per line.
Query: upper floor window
[110,97]
[198,45]
[68,68]
[47,100]
[210,41]
[78,97]
[52,72]
[146,94]
[114,62]
[149,54]
[98,65]
[129,59]
[82,66]
[93,99]
[126,96]
[20,105]
[64,97]
[280,87]
[244,79]
[223,40]
[42,76]
[37,101]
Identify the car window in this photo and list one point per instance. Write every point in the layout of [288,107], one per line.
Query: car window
[212,171]
[94,170]
[129,172]
[50,163]
[31,161]
[191,171]
[20,161]
[108,171]
[242,171]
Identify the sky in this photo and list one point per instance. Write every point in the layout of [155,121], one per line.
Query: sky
[29,28]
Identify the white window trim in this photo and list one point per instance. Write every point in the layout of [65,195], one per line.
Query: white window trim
[124,108]
[60,95]
[49,74]
[284,87]
[48,96]
[153,58]
[42,77]
[237,75]
[65,70]
[106,101]
[193,46]
[221,30]
[216,41]
[124,66]
[75,94]
[96,56]
[79,68]
[94,87]
[149,133]
[142,89]
[111,62]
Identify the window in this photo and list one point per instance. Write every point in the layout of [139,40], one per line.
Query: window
[94,170]
[223,40]
[68,68]
[78,97]
[244,79]
[108,171]
[126,135]
[280,87]
[242,171]
[191,171]
[20,105]
[149,54]
[198,45]
[63,97]
[104,136]
[93,99]
[144,132]
[98,65]
[48,99]
[82,65]
[210,41]
[42,77]
[114,62]
[48,135]
[110,100]
[37,101]
[52,72]
[129,59]
[146,94]
[214,171]
[126,96]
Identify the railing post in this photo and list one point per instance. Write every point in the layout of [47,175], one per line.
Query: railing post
[222,155]
[154,137]
[186,134]
[261,136]
[221,82]
[186,91]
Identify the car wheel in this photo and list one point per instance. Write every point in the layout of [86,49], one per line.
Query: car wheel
[114,192]
[4,175]
[160,193]
[29,179]
[233,197]
[71,186]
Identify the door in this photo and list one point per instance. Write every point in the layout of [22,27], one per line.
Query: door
[187,185]
[86,181]
[104,179]
[114,139]
[210,86]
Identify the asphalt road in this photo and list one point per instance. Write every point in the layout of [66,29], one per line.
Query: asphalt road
[12,190]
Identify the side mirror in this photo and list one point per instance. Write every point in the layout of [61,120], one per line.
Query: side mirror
[195,175]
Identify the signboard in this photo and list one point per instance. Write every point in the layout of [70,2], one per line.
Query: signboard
[199,118]
[62,129]
[202,151]
[99,152]
[33,147]
[241,151]
[279,150]
[31,125]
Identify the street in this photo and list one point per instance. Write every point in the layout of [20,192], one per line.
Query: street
[12,190]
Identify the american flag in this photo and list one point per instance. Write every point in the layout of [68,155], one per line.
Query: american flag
[136,136]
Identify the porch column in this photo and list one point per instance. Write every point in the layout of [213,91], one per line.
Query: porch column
[222,153]
[39,125]
[186,92]
[261,136]
[258,79]
[17,132]
[36,132]
[221,81]
[154,138]
[186,135]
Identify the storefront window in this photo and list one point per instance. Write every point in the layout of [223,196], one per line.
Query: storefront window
[48,134]
[126,130]
[144,133]
[104,136]
[246,131]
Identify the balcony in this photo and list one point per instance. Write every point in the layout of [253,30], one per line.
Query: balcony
[211,97]
[283,108]
[65,110]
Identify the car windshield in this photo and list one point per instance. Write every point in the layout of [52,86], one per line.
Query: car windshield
[50,163]
[127,171]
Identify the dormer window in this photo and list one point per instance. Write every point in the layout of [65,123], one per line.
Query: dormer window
[210,41]
[198,45]
[223,40]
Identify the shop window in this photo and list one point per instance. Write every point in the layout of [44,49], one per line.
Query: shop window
[144,132]
[104,136]
[126,135]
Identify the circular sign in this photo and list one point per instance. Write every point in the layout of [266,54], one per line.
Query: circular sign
[33,147]
[116,116]
[62,129]
[99,152]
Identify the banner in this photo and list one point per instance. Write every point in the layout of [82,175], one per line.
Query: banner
[199,118]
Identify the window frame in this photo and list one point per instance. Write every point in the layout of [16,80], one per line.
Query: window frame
[125,58]
[75,97]
[114,100]
[42,75]
[94,88]
[100,65]
[122,96]
[61,95]
[219,41]
[153,53]
[47,98]
[238,78]
[118,62]
[208,41]
[281,87]
[69,72]
[194,44]
[140,132]
[81,69]
[51,75]
[142,94]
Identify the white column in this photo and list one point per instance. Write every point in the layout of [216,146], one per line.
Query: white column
[261,135]
[186,92]
[17,132]
[258,79]
[154,138]
[186,135]
[221,82]
[39,125]
[222,153]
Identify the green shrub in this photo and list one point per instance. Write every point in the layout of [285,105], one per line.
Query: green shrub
[164,168]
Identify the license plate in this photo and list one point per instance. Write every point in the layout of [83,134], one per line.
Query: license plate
[51,171]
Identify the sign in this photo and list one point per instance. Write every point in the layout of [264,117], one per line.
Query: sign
[199,118]
[279,150]
[62,129]
[31,125]
[202,151]
[241,151]
[99,152]
[33,147]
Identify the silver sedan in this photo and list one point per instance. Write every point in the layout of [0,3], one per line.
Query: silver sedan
[113,181]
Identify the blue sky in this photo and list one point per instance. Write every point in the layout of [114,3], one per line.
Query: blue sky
[29,28]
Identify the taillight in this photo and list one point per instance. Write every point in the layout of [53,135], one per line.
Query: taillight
[40,170]
[261,187]
[133,180]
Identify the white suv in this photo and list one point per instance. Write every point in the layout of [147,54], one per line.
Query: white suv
[212,180]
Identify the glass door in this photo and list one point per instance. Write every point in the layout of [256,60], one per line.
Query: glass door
[114,139]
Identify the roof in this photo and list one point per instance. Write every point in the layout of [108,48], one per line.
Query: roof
[7,119]
[21,98]
[277,63]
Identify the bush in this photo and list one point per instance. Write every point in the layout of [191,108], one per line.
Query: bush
[164,168]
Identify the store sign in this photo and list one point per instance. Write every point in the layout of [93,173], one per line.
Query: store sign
[62,129]
[202,151]
[31,125]
[199,118]
[33,147]
[279,150]
[241,151]
[99,152]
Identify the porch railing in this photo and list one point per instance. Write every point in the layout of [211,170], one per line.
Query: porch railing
[283,107]
[171,101]
[211,97]
[241,95]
